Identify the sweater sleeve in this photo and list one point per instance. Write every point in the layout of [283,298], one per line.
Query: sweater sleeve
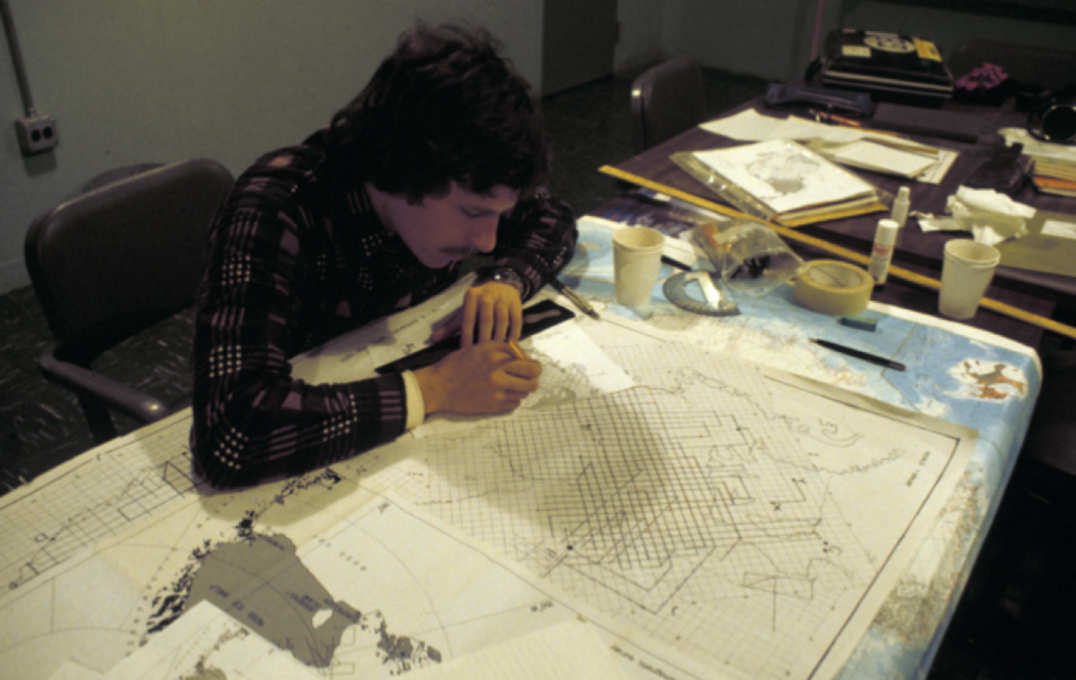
[252,420]
[535,240]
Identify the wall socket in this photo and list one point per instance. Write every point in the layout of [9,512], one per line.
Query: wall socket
[36,133]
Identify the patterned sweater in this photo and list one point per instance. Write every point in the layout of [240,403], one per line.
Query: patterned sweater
[295,258]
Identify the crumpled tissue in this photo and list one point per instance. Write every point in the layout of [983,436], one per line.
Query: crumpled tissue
[991,216]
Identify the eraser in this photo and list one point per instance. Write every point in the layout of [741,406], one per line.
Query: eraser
[866,321]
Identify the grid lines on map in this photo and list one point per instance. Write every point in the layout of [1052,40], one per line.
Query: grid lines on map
[94,501]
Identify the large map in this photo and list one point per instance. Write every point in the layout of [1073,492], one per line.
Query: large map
[714,518]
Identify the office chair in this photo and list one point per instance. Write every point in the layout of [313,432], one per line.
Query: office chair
[667,99]
[111,262]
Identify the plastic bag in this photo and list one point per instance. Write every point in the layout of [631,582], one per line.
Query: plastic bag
[750,257]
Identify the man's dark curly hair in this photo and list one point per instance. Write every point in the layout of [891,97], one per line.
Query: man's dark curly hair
[444,106]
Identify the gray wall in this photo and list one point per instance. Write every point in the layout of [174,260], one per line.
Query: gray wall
[768,38]
[132,81]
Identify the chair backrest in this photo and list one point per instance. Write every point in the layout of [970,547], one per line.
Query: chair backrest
[110,262]
[667,99]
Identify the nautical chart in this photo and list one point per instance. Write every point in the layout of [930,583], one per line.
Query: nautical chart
[712,517]
[710,502]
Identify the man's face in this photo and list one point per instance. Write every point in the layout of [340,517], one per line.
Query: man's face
[444,229]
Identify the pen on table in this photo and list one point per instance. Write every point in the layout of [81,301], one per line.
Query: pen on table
[578,301]
[826,117]
[675,263]
[860,354]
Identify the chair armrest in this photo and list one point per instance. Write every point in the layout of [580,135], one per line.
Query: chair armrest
[114,394]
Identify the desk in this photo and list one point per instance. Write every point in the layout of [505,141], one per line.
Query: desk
[1035,292]
[671,535]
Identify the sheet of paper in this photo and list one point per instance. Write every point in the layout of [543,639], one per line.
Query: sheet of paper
[751,126]
[567,345]
[881,158]
[571,649]
[936,173]
[1059,229]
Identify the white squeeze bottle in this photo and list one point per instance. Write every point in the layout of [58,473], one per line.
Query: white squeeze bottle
[882,250]
[899,213]
[900,206]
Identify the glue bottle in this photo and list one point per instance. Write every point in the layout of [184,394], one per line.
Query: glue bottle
[882,250]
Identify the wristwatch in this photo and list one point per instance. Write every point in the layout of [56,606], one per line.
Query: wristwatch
[506,275]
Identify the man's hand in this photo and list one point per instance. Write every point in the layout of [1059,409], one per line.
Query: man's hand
[492,311]
[479,379]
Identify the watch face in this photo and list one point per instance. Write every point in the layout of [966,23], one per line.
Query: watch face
[509,276]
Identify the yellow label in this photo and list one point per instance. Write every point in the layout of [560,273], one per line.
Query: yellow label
[926,49]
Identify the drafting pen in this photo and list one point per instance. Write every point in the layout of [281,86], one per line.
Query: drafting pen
[579,302]
[860,354]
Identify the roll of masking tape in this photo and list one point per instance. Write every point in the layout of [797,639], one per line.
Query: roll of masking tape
[833,287]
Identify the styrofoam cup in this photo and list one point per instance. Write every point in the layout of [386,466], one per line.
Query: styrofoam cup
[967,269]
[636,263]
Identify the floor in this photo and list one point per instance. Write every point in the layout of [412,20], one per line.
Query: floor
[1013,622]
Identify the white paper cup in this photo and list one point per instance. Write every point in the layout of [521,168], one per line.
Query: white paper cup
[636,263]
[967,269]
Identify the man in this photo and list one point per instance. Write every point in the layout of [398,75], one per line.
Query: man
[439,157]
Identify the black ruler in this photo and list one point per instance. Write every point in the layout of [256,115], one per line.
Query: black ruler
[536,318]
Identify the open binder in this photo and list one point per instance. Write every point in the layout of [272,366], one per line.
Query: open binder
[782,181]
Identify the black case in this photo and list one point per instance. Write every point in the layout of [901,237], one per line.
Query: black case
[888,65]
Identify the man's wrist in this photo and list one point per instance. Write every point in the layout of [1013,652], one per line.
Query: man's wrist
[505,275]
[429,389]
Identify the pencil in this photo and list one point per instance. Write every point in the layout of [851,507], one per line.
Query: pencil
[860,354]
[826,117]
[576,299]
[517,350]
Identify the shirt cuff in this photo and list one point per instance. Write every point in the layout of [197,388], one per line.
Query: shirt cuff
[416,405]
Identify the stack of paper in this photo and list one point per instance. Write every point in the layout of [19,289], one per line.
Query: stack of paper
[1054,177]
[874,150]
[882,158]
[783,181]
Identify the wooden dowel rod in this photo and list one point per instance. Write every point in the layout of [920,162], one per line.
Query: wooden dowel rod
[840,251]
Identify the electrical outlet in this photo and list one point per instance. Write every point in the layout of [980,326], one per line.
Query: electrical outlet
[36,133]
